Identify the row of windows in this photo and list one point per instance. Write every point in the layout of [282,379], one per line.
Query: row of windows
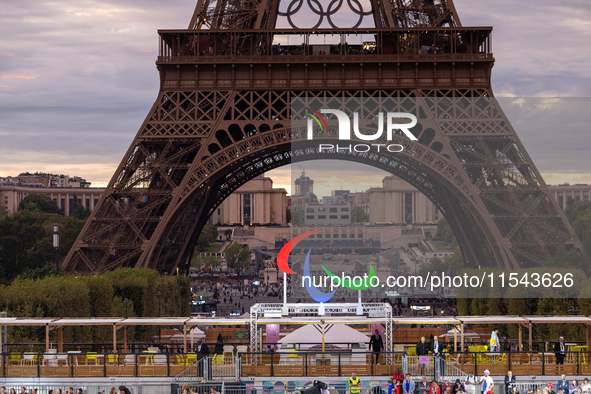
[330,217]
[330,210]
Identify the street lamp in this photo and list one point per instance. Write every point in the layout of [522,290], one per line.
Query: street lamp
[56,245]
[159,327]
[126,301]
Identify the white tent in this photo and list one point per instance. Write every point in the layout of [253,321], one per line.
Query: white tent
[340,335]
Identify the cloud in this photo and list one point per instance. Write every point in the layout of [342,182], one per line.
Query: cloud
[80,77]
[15,76]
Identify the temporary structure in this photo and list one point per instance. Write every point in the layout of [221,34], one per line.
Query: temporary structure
[338,335]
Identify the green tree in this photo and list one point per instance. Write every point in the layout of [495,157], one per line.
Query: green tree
[208,262]
[80,212]
[445,233]
[39,202]
[19,235]
[238,258]
[206,238]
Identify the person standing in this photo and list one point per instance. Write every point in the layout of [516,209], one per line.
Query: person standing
[408,385]
[560,352]
[394,387]
[354,384]
[434,388]
[563,385]
[421,350]
[471,383]
[423,386]
[509,382]
[376,344]
[487,383]
[398,375]
[437,350]
[586,387]
[494,341]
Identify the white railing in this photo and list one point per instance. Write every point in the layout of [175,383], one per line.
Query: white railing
[216,368]
[432,366]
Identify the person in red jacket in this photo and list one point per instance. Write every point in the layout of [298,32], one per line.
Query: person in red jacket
[434,388]
[398,375]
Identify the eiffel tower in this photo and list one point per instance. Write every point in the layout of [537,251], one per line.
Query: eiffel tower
[223,116]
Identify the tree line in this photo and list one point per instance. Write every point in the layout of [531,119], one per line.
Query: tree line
[148,294]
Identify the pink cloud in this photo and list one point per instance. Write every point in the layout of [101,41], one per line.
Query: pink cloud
[17,76]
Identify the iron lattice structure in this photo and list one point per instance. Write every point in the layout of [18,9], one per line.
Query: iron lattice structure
[222,117]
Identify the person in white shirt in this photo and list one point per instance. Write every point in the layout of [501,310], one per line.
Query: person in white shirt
[471,383]
[494,340]
[586,387]
[487,383]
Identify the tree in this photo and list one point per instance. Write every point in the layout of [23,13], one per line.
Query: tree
[238,258]
[228,234]
[40,203]
[19,234]
[206,238]
[445,233]
[206,262]
[80,212]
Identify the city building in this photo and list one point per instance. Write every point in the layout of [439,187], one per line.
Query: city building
[257,201]
[46,180]
[567,194]
[327,213]
[66,197]
[397,201]
[304,185]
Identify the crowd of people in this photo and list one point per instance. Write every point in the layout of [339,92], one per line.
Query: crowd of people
[23,390]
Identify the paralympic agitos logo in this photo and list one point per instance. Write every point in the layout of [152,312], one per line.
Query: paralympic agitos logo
[311,283]
[344,129]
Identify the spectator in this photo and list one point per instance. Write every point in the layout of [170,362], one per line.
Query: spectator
[509,382]
[398,375]
[408,385]
[487,383]
[575,388]
[434,389]
[494,340]
[423,386]
[12,391]
[586,387]
[124,390]
[550,388]
[113,390]
[514,390]
[560,351]
[457,386]
[563,385]
[471,383]
[445,385]
[422,349]
[392,387]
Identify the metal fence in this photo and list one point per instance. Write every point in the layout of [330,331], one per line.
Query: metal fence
[216,368]
[432,366]
[522,363]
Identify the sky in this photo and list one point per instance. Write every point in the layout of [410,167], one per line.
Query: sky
[77,79]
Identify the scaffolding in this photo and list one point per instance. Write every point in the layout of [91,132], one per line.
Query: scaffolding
[333,313]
